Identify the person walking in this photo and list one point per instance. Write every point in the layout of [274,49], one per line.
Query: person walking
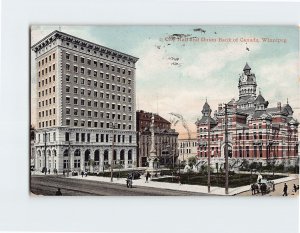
[285,188]
[82,173]
[64,172]
[49,171]
[295,188]
[147,177]
[58,192]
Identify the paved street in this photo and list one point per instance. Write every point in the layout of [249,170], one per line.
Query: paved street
[278,190]
[47,185]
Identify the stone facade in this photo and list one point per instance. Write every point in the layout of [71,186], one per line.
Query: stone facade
[85,98]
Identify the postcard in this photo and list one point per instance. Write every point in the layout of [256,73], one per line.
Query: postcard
[194,110]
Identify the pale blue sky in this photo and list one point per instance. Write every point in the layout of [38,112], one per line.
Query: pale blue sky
[207,69]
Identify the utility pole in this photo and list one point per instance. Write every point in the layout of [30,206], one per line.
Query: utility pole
[112,156]
[208,151]
[45,136]
[69,157]
[226,151]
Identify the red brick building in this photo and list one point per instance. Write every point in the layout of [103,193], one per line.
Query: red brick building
[255,130]
[165,139]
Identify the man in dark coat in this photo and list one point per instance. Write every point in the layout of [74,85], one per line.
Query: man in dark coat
[285,188]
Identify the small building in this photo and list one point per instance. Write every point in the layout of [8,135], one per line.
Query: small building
[187,148]
[166,139]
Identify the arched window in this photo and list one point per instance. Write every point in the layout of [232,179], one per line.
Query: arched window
[130,155]
[66,152]
[87,155]
[105,155]
[115,155]
[97,157]
[77,152]
[122,155]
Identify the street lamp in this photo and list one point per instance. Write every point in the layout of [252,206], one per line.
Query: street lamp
[113,126]
[45,137]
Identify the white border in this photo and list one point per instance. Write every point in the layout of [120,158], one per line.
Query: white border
[18,211]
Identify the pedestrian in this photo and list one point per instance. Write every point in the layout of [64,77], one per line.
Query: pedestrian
[63,172]
[85,173]
[82,173]
[253,189]
[285,188]
[147,177]
[49,171]
[295,188]
[273,186]
[129,181]
[58,192]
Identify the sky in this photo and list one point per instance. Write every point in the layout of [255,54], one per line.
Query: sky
[177,76]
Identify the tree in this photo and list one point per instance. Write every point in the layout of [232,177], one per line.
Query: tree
[192,161]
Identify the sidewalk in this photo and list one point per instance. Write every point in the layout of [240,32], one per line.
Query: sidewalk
[176,186]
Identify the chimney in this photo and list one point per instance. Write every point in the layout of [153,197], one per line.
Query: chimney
[279,106]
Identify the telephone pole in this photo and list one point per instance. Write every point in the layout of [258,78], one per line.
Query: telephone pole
[45,136]
[226,150]
[208,151]
[112,156]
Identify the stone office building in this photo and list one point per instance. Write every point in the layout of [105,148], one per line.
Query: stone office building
[85,99]
[256,132]
[166,139]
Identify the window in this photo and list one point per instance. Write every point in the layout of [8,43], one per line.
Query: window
[82,70]
[95,83]
[82,111]
[68,111]
[75,101]
[67,78]
[75,58]
[75,112]
[75,90]
[67,100]
[67,121]
[82,59]
[68,67]
[88,61]
[95,73]
[75,69]
[82,102]
[67,56]
[82,80]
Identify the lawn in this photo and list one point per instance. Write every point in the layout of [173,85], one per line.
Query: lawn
[235,180]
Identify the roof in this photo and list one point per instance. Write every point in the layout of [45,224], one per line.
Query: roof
[204,120]
[206,107]
[262,114]
[260,99]
[247,67]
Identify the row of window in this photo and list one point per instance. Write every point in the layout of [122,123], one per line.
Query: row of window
[47,123]
[88,113]
[46,113]
[95,74]
[47,91]
[46,70]
[45,81]
[88,61]
[89,102]
[96,124]
[86,137]
[89,92]
[46,59]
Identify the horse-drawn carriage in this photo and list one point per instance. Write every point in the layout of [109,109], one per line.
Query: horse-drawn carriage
[262,186]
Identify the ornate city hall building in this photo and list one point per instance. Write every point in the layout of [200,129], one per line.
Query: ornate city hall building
[256,132]
[85,98]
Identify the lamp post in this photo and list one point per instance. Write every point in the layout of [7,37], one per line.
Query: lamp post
[69,154]
[226,151]
[113,126]
[45,137]
[208,150]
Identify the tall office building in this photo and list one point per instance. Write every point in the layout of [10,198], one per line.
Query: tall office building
[85,99]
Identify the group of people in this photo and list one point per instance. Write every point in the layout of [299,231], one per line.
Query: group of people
[285,189]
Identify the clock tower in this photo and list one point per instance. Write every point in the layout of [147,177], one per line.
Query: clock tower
[247,83]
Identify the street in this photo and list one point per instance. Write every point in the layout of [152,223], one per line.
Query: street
[278,190]
[47,185]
